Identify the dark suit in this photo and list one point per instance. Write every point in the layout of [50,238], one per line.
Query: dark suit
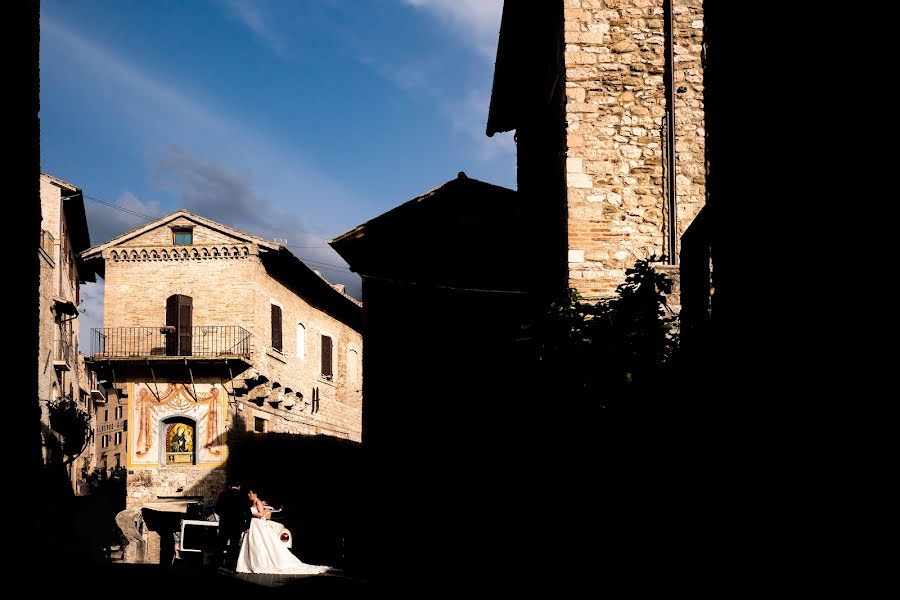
[233,508]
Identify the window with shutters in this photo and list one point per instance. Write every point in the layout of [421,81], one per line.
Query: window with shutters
[276,328]
[179,315]
[327,357]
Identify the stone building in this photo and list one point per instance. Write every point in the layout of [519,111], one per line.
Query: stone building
[606,99]
[210,331]
[64,234]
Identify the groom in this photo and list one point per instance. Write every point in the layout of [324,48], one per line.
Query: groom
[233,508]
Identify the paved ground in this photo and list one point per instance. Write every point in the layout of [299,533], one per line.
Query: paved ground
[156,581]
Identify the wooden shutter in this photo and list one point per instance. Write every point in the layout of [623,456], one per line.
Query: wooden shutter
[179,314]
[276,327]
[326,356]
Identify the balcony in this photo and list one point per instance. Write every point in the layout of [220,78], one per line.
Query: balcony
[203,341]
[63,355]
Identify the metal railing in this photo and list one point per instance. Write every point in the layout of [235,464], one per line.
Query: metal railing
[146,342]
[64,351]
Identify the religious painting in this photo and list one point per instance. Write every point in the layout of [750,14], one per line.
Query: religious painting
[176,423]
[179,444]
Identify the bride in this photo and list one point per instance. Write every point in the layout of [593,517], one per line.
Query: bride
[262,550]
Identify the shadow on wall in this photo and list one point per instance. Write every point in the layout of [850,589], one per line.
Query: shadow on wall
[315,480]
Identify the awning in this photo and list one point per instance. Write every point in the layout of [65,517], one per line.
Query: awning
[64,306]
[176,506]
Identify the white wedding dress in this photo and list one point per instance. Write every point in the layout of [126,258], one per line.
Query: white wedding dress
[262,551]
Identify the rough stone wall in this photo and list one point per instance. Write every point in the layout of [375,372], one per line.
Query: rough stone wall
[144,485]
[615,57]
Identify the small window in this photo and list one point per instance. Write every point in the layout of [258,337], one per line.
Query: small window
[119,412]
[353,366]
[117,459]
[118,438]
[327,370]
[183,237]
[259,425]
[301,341]
[276,327]
[106,415]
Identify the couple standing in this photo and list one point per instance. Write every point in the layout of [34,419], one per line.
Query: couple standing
[244,523]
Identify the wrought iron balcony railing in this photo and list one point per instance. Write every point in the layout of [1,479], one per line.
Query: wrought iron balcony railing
[147,342]
[63,354]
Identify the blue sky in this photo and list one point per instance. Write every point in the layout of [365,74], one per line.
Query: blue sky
[293,119]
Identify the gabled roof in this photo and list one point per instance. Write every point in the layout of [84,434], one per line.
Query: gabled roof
[76,222]
[95,251]
[454,234]
[280,263]
[61,183]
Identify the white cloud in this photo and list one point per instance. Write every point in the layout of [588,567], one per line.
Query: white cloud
[91,316]
[469,116]
[161,114]
[477,20]
[106,222]
[248,12]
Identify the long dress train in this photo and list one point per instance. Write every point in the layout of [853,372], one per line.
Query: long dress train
[262,551]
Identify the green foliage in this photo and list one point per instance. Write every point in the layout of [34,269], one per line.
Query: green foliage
[612,350]
[72,423]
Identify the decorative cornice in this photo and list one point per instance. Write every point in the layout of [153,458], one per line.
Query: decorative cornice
[172,253]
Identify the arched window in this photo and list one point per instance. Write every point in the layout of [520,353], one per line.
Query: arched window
[301,341]
[178,436]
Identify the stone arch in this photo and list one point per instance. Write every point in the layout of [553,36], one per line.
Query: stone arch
[134,255]
[114,255]
[154,254]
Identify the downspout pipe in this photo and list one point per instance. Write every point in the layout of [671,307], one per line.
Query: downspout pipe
[669,81]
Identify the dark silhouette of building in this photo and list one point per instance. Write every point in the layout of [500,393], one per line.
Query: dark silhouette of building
[448,279]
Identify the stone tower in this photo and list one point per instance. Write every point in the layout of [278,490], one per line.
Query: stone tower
[592,88]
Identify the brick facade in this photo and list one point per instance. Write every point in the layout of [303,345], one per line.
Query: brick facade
[230,285]
[60,366]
